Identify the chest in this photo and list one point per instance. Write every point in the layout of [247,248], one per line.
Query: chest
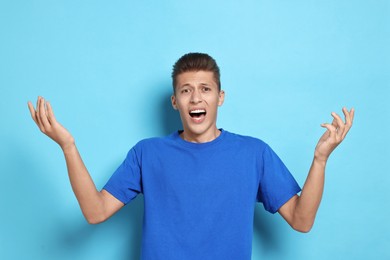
[211,172]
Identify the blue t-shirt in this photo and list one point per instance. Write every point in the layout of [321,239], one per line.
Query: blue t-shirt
[199,198]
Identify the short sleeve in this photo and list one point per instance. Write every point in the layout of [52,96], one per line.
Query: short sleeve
[125,183]
[277,185]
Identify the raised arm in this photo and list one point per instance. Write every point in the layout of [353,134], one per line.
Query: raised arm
[96,206]
[300,211]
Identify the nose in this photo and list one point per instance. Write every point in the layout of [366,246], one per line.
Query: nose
[196,97]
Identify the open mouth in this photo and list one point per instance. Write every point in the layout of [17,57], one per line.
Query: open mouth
[197,113]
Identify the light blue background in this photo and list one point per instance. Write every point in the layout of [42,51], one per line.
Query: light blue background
[105,66]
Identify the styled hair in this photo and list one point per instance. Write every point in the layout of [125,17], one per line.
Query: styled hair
[195,62]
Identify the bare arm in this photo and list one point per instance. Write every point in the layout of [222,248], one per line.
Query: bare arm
[96,206]
[300,211]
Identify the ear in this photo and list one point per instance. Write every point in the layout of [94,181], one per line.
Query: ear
[221,97]
[173,101]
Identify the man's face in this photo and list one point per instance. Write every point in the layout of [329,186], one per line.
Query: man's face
[197,98]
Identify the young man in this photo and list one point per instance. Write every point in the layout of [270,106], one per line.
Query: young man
[200,184]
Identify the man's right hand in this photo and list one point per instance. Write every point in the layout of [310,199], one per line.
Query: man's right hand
[44,117]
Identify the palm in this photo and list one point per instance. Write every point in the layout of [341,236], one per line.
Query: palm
[335,134]
[44,117]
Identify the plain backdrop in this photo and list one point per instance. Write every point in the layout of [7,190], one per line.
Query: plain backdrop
[105,66]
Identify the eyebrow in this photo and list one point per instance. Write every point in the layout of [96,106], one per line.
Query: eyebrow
[189,85]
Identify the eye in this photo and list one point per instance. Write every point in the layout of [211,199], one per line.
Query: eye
[206,89]
[185,90]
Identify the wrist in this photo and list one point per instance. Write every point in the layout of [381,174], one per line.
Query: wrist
[68,147]
[320,161]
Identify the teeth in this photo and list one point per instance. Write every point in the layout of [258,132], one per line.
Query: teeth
[198,111]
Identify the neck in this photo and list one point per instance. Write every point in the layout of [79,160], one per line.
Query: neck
[200,138]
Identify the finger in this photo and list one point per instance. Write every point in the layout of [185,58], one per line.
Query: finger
[37,115]
[37,105]
[351,115]
[348,120]
[340,126]
[32,112]
[335,123]
[43,115]
[331,129]
[347,115]
[50,113]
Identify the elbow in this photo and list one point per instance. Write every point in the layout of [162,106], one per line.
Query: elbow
[303,227]
[302,223]
[95,211]
[94,219]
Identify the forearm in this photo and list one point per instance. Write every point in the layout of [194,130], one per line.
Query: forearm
[89,198]
[96,206]
[300,211]
[311,195]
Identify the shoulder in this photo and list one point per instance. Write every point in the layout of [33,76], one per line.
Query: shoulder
[146,146]
[150,142]
[245,140]
[155,142]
